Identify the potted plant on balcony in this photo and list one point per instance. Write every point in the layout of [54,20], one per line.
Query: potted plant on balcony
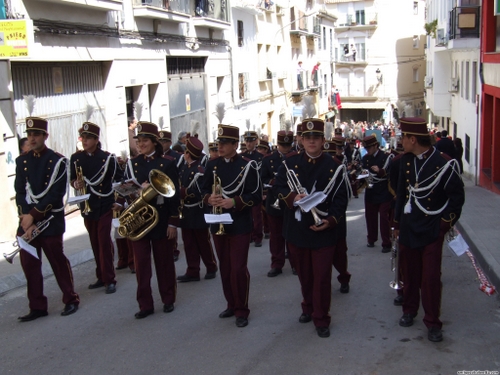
[431,28]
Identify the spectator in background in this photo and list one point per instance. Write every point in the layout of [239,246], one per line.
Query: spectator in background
[446,145]
[314,74]
[24,145]
[300,70]
[353,52]
[459,153]
[180,145]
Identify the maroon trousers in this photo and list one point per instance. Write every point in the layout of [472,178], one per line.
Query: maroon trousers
[265,221]
[372,212]
[257,234]
[102,247]
[197,245]
[421,268]
[125,253]
[52,247]
[277,243]
[314,268]
[232,251]
[163,256]
[340,261]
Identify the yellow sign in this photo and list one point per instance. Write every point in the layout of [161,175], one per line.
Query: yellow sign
[13,39]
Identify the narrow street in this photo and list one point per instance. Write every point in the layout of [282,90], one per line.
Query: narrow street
[103,337]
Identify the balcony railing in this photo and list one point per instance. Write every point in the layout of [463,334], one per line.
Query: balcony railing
[360,18]
[215,9]
[169,5]
[464,22]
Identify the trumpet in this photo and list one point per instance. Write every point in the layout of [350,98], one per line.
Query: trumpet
[83,190]
[40,227]
[396,283]
[217,190]
[294,184]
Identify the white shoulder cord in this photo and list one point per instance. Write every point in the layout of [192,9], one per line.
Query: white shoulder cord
[98,181]
[253,164]
[327,190]
[195,181]
[422,189]
[32,198]
[374,177]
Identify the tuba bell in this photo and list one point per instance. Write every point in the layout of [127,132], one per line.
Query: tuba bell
[140,217]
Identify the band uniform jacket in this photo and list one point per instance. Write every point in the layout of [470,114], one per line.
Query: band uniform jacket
[311,173]
[37,170]
[394,177]
[379,193]
[249,194]
[93,166]
[418,229]
[268,172]
[192,217]
[168,208]
[179,159]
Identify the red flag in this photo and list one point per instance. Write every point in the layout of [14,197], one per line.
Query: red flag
[339,103]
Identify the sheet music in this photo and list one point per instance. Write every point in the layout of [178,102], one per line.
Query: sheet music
[128,187]
[23,244]
[78,199]
[218,219]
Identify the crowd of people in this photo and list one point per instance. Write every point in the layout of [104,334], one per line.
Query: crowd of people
[295,194]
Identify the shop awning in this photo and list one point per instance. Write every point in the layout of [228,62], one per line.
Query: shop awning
[364,105]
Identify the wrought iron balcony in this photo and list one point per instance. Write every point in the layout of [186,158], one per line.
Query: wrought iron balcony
[464,22]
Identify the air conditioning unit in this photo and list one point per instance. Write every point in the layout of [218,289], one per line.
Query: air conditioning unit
[454,85]
[428,82]
[441,38]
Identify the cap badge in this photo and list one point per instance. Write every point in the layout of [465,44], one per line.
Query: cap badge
[161,134]
[286,139]
[85,126]
[310,125]
[221,131]
[327,146]
[29,123]
[139,128]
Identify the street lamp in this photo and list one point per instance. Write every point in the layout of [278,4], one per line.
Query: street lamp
[379,76]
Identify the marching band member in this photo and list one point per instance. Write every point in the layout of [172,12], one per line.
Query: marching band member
[194,229]
[311,235]
[213,150]
[94,171]
[40,184]
[297,144]
[251,139]
[241,190]
[269,169]
[161,239]
[165,139]
[377,196]
[263,149]
[429,202]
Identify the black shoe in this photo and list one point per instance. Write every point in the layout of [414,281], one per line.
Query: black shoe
[267,236]
[356,196]
[274,272]
[370,244]
[435,334]
[398,301]
[176,258]
[120,267]
[34,314]
[144,313]
[286,255]
[407,320]
[186,278]
[344,288]
[111,288]
[241,322]
[97,284]
[323,331]
[226,313]
[210,275]
[69,309]
[294,272]
[258,244]
[168,308]
[305,318]
[386,249]
[132,270]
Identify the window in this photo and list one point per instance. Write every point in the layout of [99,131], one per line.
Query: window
[415,75]
[415,8]
[360,17]
[415,41]
[473,85]
[243,86]
[467,148]
[240,33]
[467,80]
[462,75]
[324,38]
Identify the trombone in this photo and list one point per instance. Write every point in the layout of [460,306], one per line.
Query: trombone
[217,190]
[40,227]
[82,190]
[294,185]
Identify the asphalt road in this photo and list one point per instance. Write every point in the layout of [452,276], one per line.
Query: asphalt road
[103,337]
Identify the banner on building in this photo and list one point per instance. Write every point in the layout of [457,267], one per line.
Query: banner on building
[13,39]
